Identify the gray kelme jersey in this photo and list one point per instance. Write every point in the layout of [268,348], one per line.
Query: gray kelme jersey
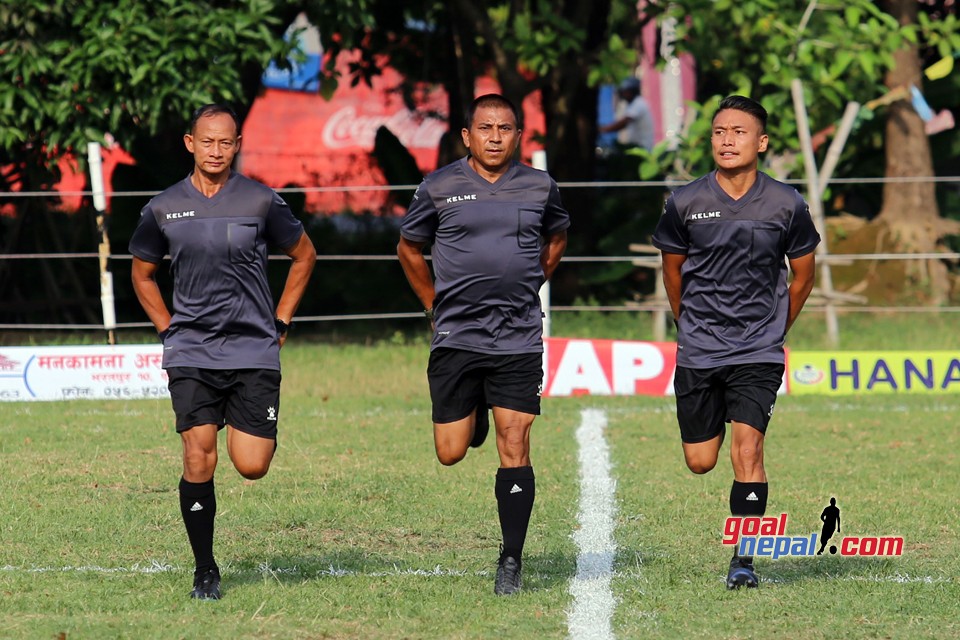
[734,298]
[223,312]
[487,239]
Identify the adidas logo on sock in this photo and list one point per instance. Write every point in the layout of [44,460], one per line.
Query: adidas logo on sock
[516,489]
[752,497]
[196,506]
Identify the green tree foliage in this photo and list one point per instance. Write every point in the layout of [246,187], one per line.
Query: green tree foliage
[563,49]
[78,69]
[839,49]
[570,47]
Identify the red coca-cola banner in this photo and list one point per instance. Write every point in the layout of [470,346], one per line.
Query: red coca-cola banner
[296,139]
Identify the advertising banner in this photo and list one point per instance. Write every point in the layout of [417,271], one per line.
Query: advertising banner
[91,372]
[302,139]
[608,367]
[582,367]
[572,367]
[845,372]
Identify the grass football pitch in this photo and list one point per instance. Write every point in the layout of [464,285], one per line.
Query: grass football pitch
[358,532]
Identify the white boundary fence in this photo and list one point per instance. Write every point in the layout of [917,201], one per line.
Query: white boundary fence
[646,257]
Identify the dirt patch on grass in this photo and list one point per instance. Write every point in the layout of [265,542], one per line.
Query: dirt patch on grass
[882,282]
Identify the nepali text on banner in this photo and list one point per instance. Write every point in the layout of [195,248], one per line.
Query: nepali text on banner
[82,372]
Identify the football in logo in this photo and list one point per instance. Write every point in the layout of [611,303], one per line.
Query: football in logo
[808,374]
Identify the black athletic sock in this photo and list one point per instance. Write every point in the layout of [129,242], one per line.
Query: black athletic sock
[515,490]
[748,499]
[198,506]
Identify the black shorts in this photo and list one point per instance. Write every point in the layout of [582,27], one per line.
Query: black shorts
[707,398]
[246,399]
[460,379]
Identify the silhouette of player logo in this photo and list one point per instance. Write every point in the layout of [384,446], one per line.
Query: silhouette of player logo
[831,522]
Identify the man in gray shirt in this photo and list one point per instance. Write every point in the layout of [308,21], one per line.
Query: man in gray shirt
[724,240]
[221,345]
[498,230]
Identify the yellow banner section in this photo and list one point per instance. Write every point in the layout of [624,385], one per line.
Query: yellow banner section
[844,372]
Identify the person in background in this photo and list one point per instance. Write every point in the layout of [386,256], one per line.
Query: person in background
[634,123]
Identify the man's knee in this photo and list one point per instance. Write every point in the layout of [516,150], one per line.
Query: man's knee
[747,459]
[700,466]
[452,439]
[701,457]
[198,457]
[514,441]
[252,457]
[450,455]
[747,453]
[513,438]
[199,461]
[252,470]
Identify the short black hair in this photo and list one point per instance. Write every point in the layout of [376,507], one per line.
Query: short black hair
[491,100]
[747,105]
[212,110]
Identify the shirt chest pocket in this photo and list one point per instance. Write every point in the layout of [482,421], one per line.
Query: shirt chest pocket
[528,228]
[765,250]
[242,240]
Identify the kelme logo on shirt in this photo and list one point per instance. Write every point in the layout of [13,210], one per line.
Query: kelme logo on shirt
[704,215]
[180,214]
[471,196]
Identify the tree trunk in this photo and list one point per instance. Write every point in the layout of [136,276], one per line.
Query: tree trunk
[570,111]
[910,216]
[460,85]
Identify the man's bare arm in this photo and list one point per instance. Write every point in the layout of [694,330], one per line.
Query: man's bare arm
[552,252]
[672,279]
[143,278]
[417,271]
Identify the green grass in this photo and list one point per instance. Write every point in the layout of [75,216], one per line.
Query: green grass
[890,462]
[358,532]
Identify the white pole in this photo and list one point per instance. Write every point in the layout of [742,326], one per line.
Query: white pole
[540,162]
[671,110]
[671,90]
[95,161]
[815,200]
[836,147]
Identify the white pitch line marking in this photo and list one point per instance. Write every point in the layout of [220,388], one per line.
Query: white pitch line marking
[593,601]
[436,572]
[263,569]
